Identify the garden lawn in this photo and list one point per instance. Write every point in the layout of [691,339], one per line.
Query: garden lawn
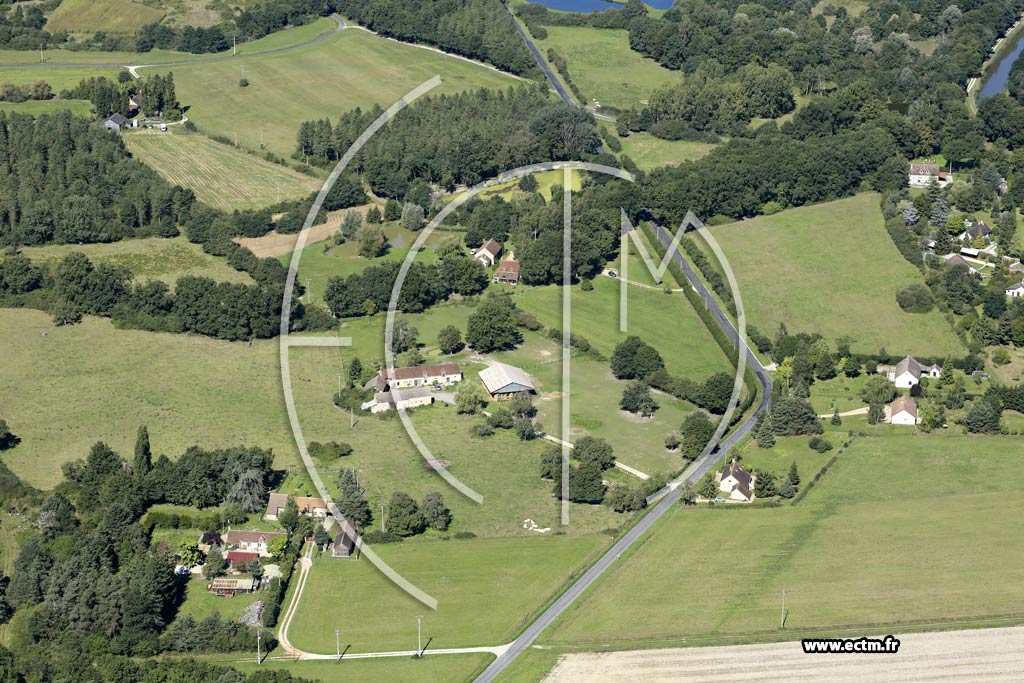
[90,382]
[152,258]
[912,528]
[200,603]
[449,668]
[604,68]
[831,268]
[487,589]
[649,152]
[352,68]
[221,176]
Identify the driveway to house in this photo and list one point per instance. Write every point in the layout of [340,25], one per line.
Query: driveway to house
[848,413]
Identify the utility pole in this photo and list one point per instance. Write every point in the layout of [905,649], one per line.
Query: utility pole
[419,636]
[351,419]
[383,525]
[309,281]
[339,385]
[259,656]
[782,623]
[261,138]
[278,193]
[337,641]
[40,53]
[234,45]
[236,138]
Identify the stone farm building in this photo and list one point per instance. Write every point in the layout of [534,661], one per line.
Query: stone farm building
[403,399]
[488,253]
[736,482]
[505,381]
[237,558]
[909,372]
[443,374]
[922,175]
[250,541]
[903,411]
[308,507]
[507,272]
[1016,290]
[344,541]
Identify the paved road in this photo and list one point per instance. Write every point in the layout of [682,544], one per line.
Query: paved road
[202,60]
[541,62]
[693,473]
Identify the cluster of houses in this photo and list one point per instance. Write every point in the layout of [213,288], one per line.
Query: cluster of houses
[507,271]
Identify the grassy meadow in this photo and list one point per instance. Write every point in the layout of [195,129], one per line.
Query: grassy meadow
[603,66]
[40,107]
[114,16]
[487,589]
[151,258]
[200,603]
[831,268]
[286,89]
[649,152]
[449,668]
[90,382]
[221,176]
[59,77]
[910,526]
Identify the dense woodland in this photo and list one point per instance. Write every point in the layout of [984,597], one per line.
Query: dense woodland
[479,29]
[455,140]
[64,179]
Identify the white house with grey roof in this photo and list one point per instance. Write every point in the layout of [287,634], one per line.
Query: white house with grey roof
[1016,290]
[736,482]
[505,381]
[909,372]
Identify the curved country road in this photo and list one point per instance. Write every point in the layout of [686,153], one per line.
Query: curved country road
[202,60]
[697,469]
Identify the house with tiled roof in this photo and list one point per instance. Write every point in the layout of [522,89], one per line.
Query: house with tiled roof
[903,411]
[488,253]
[443,374]
[736,483]
[251,541]
[909,372]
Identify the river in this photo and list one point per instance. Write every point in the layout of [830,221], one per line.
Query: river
[999,73]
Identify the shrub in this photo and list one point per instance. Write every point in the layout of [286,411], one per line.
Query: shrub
[378,536]
[915,298]
[819,444]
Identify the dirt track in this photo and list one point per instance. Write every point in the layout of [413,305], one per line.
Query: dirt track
[991,655]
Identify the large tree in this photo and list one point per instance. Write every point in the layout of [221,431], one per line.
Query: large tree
[492,327]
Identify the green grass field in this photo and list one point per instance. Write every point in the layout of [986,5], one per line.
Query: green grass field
[604,68]
[685,343]
[486,589]
[911,527]
[286,89]
[649,152]
[152,258]
[39,107]
[114,16]
[221,176]
[430,669]
[318,265]
[831,268]
[80,384]
[59,77]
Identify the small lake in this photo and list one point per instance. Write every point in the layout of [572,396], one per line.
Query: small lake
[595,5]
[995,82]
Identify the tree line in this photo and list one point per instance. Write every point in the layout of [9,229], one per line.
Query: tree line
[479,29]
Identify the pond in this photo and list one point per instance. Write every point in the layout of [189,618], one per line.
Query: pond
[596,5]
[995,81]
